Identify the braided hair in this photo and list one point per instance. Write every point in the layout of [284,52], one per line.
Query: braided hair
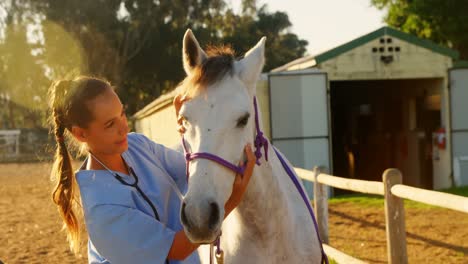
[68,107]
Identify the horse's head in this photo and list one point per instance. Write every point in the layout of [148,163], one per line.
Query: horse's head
[218,119]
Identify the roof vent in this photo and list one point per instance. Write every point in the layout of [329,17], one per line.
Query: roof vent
[386,59]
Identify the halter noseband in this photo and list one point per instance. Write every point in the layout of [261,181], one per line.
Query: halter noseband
[259,142]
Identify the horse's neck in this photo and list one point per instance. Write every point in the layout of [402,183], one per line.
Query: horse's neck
[264,201]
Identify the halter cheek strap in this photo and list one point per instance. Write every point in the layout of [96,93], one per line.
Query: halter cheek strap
[260,140]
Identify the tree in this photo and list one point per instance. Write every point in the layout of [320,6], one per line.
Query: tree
[443,21]
[23,83]
[244,30]
[137,44]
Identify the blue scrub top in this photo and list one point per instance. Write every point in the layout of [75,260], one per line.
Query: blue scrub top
[121,225]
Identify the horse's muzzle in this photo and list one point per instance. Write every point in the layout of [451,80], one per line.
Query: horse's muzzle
[201,221]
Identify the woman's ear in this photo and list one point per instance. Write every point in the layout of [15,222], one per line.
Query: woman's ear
[79,134]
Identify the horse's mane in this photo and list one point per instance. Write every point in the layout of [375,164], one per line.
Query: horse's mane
[218,63]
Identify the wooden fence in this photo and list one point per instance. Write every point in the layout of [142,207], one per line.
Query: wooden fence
[9,142]
[393,191]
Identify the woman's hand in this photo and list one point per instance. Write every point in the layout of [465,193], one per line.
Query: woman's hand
[178,102]
[240,182]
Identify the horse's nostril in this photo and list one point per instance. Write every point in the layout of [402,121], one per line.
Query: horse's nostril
[183,217]
[214,215]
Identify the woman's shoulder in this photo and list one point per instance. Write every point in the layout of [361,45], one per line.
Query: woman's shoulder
[139,139]
[134,137]
[139,142]
[142,142]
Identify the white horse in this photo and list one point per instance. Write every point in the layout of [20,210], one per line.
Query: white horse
[272,223]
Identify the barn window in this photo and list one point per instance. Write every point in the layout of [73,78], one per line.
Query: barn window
[374,49]
[397,49]
[381,49]
[390,49]
[389,40]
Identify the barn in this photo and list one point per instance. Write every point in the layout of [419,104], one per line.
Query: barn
[386,99]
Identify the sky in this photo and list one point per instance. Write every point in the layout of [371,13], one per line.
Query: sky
[326,24]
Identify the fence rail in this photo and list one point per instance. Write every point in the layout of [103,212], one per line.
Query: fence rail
[392,189]
[445,200]
[340,257]
[361,186]
[25,145]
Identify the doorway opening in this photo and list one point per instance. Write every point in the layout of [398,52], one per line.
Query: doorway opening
[382,124]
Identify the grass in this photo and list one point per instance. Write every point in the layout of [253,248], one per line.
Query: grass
[368,200]
[462,191]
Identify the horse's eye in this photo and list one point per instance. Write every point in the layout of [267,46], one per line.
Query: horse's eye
[243,121]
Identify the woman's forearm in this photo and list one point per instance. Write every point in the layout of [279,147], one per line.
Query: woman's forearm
[181,247]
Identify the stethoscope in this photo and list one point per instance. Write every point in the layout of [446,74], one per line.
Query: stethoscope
[134,185]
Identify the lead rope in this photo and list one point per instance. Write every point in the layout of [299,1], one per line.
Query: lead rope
[218,254]
[211,254]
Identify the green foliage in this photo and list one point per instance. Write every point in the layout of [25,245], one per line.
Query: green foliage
[443,21]
[369,200]
[282,46]
[23,84]
[136,44]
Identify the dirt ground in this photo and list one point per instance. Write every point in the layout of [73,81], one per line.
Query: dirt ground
[30,228]
[433,235]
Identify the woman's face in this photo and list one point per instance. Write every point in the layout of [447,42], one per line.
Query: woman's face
[107,133]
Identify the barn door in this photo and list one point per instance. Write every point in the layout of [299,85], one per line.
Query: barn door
[459,121]
[299,111]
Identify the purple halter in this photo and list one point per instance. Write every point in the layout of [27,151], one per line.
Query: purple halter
[260,141]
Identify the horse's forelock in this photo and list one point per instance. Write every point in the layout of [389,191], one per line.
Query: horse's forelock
[220,61]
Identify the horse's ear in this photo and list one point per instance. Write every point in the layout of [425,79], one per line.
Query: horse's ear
[250,67]
[192,54]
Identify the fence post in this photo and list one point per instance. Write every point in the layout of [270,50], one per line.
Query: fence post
[394,219]
[17,144]
[321,205]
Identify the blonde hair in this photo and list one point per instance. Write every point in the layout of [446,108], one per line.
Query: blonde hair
[68,105]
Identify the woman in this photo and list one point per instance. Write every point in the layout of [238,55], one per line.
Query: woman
[130,188]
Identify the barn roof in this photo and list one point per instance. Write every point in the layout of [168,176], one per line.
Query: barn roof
[163,101]
[160,102]
[311,61]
